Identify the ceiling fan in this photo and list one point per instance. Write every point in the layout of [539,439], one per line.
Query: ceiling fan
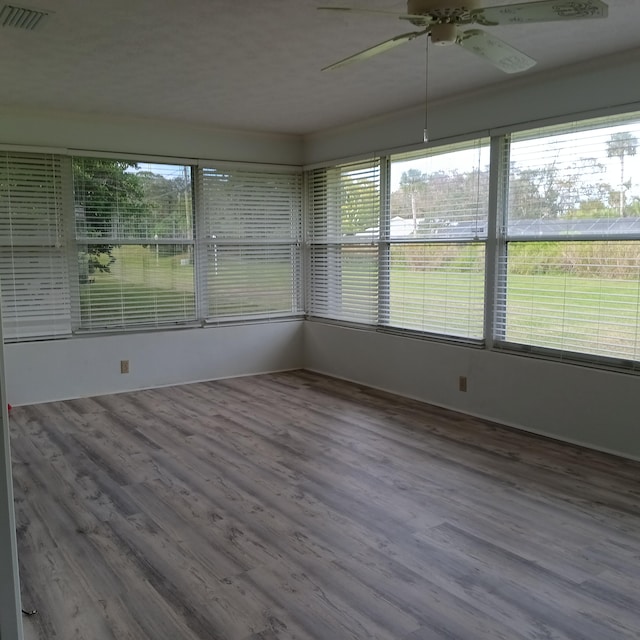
[441,19]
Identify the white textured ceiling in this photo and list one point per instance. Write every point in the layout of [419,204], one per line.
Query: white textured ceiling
[255,64]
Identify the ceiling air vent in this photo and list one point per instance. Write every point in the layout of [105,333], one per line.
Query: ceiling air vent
[20,17]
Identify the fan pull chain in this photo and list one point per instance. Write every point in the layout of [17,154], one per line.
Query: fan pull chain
[425,134]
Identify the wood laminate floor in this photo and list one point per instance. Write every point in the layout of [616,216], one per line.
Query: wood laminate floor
[292,505]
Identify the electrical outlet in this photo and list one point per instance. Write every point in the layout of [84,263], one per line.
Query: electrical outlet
[124,366]
[462,383]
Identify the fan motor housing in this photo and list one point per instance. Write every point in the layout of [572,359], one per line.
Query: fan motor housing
[444,34]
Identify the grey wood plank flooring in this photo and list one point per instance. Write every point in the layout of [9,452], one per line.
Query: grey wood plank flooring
[295,506]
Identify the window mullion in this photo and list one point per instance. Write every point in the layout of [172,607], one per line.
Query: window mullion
[495,262]
[69,223]
[201,247]
[384,247]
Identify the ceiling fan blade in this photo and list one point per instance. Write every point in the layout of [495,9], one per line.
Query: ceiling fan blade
[378,48]
[545,11]
[496,51]
[401,16]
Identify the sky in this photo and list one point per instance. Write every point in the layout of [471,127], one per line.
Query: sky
[566,147]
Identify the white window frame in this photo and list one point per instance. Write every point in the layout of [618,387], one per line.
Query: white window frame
[35,249]
[478,237]
[261,246]
[500,238]
[122,323]
[329,244]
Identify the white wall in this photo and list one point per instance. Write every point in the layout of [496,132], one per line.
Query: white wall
[578,404]
[71,368]
[42,371]
[61,369]
[144,136]
[592,407]
[595,408]
[10,614]
[598,85]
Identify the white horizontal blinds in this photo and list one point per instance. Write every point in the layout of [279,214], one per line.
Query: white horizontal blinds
[134,234]
[579,179]
[128,201]
[437,228]
[581,297]
[441,193]
[33,262]
[570,272]
[145,285]
[437,288]
[344,231]
[344,283]
[251,233]
[345,203]
[252,281]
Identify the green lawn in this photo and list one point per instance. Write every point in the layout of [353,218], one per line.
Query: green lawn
[591,315]
[438,288]
[599,315]
[148,267]
[587,314]
[145,287]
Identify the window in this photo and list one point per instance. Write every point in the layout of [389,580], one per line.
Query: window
[569,269]
[416,264]
[344,238]
[33,248]
[95,244]
[436,241]
[134,235]
[250,243]
[407,242]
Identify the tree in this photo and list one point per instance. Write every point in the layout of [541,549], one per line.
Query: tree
[413,182]
[635,206]
[169,204]
[109,203]
[619,145]
[443,201]
[359,204]
[554,190]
